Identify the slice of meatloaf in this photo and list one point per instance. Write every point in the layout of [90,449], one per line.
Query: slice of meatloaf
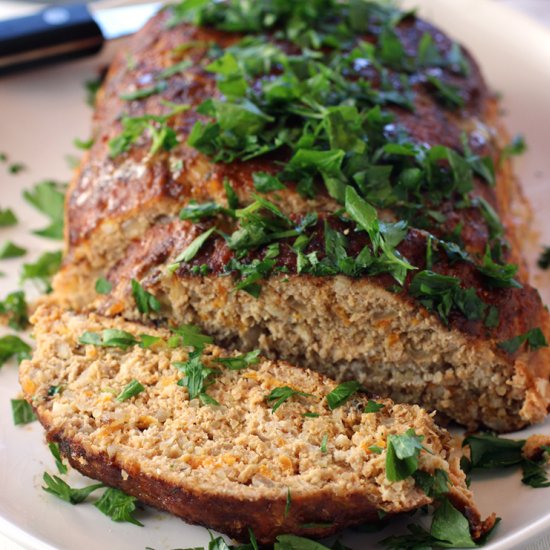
[229,461]
[457,330]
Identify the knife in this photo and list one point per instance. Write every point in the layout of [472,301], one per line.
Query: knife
[64,32]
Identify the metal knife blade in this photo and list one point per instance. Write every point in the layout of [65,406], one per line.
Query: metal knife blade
[68,31]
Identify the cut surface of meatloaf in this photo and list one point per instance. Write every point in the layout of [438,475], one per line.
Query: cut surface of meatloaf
[232,463]
[457,330]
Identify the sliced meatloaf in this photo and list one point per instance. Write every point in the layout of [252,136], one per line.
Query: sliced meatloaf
[371,238]
[236,459]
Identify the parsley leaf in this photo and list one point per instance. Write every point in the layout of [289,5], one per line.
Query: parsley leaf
[22,412]
[142,93]
[197,376]
[433,484]
[266,183]
[196,212]
[402,455]
[13,346]
[11,250]
[48,197]
[192,250]
[191,335]
[103,286]
[118,506]
[43,269]
[14,307]
[534,339]
[516,147]
[7,217]
[54,449]
[56,486]
[282,393]
[145,301]
[535,473]
[341,393]
[110,337]
[292,542]
[491,451]
[447,93]
[240,361]
[132,389]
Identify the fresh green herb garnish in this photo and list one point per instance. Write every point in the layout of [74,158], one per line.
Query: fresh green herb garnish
[191,335]
[516,147]
[118,506]
[145,301]
[83,144]
[146,340]
[13,346]
[91,87]
[7,217]
[132,389]
[103,286]
[373,407]
[324,442]
[266,183]
[402,454]
[282,393]
[535,473]
[197,377]
[433,484]
[16,168]
[22,412]
[192,250]
[56,486]
[11,250]
[240,361]
[449,529]
[14,307]
[175,69]
[42,270]
[534,339]
[109,338]
[163,137]
[54,449]
[142,93]
[48,197]
[341,393]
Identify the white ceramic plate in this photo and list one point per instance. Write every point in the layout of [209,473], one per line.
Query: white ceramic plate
[40,114]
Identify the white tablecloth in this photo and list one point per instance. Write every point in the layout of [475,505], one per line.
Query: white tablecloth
[539,9]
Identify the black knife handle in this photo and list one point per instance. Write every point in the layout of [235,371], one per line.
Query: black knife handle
[57,32]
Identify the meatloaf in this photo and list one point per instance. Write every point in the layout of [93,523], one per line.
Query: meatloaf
[327,181]
[236,460]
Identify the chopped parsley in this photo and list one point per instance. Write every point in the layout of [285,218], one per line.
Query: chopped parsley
[433,484]
[534,339]
[15,308]
[11,250]
[22,412]
[57,487]
[324,442]
[240,361]
[132,389]
[162,136]
[516,147]
[341,393]
[48,197]
[488,451]
[402,454]
[103,286]
[7,217]
[13,346]
[197,377]
[54,449]
[84,144]
[109,338]
[119,506]
[190,335]
[193,249]
[145,301]
[42,270]
[449,529]
[16,168]
[142,93]
[283,393]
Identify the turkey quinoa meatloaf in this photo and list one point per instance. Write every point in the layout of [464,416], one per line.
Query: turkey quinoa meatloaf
[225,454]
[326,181]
